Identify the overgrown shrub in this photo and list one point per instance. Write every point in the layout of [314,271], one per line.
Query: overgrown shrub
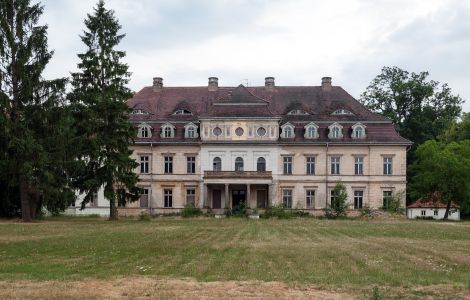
[394,203]
[366,212]
[424,218]
[190,211]
[144,216]
[375,294]
[239,210]
[338,205]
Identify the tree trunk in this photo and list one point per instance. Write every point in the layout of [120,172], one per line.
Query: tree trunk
[25,200]
[446,215]
[113,212]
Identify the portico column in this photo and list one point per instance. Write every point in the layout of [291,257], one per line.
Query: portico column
[248,200]
[227,197]
[203,195]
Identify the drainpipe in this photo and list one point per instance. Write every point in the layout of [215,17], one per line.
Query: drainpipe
[151,180]
[326,174]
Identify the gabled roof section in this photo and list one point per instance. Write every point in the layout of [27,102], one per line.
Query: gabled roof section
[241,96]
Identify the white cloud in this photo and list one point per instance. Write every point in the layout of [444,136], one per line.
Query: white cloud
[298,42]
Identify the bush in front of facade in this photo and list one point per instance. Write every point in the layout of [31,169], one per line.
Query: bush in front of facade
[339,205]
[280,212]
[190,210]
[393,203]
[237,211]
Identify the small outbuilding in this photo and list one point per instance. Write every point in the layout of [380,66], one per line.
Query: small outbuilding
[432,207]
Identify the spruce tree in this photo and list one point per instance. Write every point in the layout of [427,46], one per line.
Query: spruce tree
[33,156]
[99,101]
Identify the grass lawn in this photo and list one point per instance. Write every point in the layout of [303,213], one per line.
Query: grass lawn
[404,259]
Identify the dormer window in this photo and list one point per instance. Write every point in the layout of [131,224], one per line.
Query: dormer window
[167,131]
[139,111]
[182,112]
[190,131]
[287,131]
[342,111]
[311,131]
[297,112]
[358,131]
[144,131]
[335,131]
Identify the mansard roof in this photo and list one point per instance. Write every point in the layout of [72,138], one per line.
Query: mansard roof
[262,102]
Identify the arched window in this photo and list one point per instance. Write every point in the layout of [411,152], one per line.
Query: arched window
[190,131]
[287,131]
[358,131]
[336,131]
[311,131]
[239,164]
[261,164]
[342,111]
[168,131]
[144,132]
[217,164]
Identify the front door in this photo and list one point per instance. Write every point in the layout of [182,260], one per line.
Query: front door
[261,198]
[238,196]
[216,199]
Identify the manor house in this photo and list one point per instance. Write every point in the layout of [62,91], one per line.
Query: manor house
[215,147]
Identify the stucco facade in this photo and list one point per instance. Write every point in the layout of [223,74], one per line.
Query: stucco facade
[215,147]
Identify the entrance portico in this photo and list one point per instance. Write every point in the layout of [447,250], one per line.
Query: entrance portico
[228,189]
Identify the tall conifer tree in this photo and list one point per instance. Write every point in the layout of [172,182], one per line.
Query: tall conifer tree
[32,115]
[99,100]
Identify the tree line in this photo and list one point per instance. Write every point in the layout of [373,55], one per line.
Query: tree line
[54,143]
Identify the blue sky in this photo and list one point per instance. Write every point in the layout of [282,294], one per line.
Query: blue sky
[296,41]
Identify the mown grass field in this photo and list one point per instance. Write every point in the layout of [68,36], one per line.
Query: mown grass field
[402,258]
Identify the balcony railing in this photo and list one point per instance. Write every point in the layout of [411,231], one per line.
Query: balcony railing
[238,174]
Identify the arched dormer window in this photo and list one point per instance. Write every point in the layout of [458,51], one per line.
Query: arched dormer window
[335,131]
[297,112]
[261,164]
[287,131]
[190,131]
[311,131]
[217,164]
[144,131]
[358,131]
[167,131]
[342,111]
[182,112]
[139,111]
[239,164]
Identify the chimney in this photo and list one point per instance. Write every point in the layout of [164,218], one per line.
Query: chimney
[157,84]
[213,84]
[326,83]
[269,83]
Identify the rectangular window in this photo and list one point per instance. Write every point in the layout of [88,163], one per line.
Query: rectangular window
[358,197]
[168,197]
[287,198]
[387,196]
[335,165]
[387,165]
[144,198]
[287,165]
[144,164]
[94,200]
[358,165]
[332,197]
[310,165]
[310,199]
[436,212]
[191,197]
[168,164]
[423,213]
[190,164]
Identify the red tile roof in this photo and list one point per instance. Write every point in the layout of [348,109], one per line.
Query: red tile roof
[252,102]
[433,201]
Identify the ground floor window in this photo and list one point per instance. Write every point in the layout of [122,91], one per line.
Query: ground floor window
[191,197]
[168,198]
[144,198]
[310,199]
[287,198]
[423,213]
[94,200]
[387,196]
[358,197]
[436,212]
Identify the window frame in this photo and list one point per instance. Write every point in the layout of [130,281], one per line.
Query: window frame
[287,128]
[218,163]
[190,164]
[358,165]
[168,198]
[239,164]
[192,194]
[287,163]
[261,164]
[144,164]
[310,165]
[387,165]
[358,198]
[335,165]
[168,164]
[386,196]
[310,196]
[287,196]
[333,128]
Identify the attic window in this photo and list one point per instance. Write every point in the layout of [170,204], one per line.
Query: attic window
[297,112]
[139,112]
[183,112]
[342,111]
